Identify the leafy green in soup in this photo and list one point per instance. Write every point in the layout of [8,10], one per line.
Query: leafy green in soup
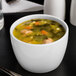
[39,31]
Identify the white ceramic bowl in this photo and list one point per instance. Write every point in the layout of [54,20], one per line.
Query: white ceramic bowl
[39,58]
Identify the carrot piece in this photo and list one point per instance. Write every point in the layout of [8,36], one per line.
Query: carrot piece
[28,27]
[44,32]
[37,23]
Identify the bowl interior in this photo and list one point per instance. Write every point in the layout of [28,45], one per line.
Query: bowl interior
[40,16]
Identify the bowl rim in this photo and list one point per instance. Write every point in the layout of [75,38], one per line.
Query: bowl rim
[11,32]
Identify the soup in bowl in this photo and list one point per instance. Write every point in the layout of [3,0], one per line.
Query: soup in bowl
[39,42]
[39,31]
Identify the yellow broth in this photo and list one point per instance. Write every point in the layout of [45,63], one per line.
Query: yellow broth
[39,31]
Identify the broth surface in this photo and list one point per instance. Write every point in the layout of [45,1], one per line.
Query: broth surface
[39,31]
